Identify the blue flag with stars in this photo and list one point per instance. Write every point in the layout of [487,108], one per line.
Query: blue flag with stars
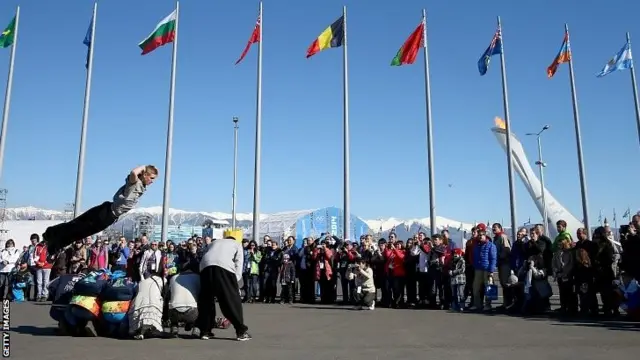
[495,48]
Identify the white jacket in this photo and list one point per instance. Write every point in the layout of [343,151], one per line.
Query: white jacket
[11,256]
[184,289]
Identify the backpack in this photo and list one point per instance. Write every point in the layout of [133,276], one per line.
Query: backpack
[92,284]
[119,289]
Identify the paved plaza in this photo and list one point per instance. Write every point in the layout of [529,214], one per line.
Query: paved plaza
[298,332]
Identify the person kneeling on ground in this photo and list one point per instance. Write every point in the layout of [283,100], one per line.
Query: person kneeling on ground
[184,289]
[21,281]
[145,314]
[365,291]
[61,290]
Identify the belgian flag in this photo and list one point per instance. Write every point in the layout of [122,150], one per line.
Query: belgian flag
[331,37]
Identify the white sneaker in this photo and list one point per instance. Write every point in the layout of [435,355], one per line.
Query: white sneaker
[372,307]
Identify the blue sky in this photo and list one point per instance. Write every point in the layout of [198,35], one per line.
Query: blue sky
[302,113]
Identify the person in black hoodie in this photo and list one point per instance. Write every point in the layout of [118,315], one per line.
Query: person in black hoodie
[272,260]
[604,275]
[436,263]
[546,247]
[306,273]
[584,243]
[190,259]
[584,273]
[380,280]
[412,255]
[630,240]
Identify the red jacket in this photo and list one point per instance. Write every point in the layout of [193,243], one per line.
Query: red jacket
[394,262]
[343,259]
[40,255]
[448,259]
[468,251]
[325,260]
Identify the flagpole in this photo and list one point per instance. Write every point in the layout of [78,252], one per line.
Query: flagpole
[600,217]
[615,220]
[169,152]
[507,122]
[345,116]
[427,90]
[576,120]
[635,88]
[85,118]
[258,144]
[7,95]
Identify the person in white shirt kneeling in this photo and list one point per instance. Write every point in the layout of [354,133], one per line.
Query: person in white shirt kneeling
[184,289]
[365,291]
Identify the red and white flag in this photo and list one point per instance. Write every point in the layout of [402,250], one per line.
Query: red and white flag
[255,38]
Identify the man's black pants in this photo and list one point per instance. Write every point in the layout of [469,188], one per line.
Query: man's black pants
[89,223]
[216,282]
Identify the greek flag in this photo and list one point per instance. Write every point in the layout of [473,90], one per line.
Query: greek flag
[620,61]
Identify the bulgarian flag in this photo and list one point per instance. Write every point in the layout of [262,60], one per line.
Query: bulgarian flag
[409,51]
[164,33]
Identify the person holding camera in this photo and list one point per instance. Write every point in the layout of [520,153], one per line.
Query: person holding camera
[345,257]
[364,293]
[100,217]
[324,272]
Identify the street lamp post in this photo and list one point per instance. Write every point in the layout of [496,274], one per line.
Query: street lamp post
[235,171]
[541,165]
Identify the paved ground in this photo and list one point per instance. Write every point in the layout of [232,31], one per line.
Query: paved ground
[302,332]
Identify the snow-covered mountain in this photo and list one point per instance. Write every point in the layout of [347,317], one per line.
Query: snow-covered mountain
[378,225]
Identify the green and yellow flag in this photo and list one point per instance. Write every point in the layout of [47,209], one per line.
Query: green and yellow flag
[8,34]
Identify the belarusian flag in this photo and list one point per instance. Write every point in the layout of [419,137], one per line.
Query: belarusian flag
[164,33]
[8,35]
[409,50]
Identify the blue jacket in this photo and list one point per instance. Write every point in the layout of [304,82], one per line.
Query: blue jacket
[123,255]
[518,256]
[485,256]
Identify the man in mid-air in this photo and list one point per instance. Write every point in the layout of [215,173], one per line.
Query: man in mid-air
[100,217]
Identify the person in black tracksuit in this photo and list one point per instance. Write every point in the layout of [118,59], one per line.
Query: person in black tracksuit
[220,272]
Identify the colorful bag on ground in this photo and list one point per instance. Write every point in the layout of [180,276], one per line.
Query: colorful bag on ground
[222,323]
[115,311]
[92,284]
[119,289]
[85,307]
